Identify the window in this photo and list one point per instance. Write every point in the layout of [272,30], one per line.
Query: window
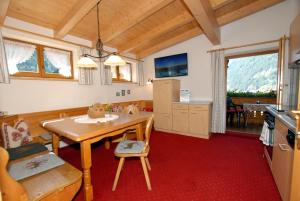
[254,73]
[122,73]
[33,60]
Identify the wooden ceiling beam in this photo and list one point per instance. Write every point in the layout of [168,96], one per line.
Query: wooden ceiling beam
[138,16]
[79,10]
[219,3]
[205,16]
[242,8]
[165,27]
[3,10]
[169,42]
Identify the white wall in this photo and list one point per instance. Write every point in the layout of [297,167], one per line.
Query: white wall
[22,96]
[269,24]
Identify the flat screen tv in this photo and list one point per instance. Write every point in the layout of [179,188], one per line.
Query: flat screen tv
[171,66]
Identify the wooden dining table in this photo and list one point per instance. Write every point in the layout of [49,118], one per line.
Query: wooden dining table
[88,133]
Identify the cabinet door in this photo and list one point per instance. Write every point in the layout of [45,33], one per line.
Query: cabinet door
[162,121]
[162,97]
[181,120]
[282,164]
[199,122]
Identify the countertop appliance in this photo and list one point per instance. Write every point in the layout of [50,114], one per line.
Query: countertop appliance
[291,138]
[270,119]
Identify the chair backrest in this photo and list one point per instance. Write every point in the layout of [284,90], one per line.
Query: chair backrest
[149,129]
[11,189]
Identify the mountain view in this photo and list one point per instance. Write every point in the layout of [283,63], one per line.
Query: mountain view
[253,74]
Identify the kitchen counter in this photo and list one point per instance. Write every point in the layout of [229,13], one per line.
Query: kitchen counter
[284,118]
[195,102]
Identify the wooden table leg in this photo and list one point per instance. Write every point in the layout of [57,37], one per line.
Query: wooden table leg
[55,143]
[107,144]
[140,132]
[86,163]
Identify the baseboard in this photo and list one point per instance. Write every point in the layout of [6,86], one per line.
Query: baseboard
[185,134]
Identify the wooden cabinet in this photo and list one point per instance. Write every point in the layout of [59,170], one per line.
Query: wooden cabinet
[282,160]
[180,118]
[170,115]
[163,121]
[199,119]
[199,122]
[164,93]
[192,119]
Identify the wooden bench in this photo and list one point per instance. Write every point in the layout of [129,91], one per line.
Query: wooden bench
[60,183]
[33,119]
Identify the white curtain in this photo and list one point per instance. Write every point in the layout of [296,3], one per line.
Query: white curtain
[60,59]
[85,75]
[140,74]
[105,74]
[17,53]
[219,92]
[4,73]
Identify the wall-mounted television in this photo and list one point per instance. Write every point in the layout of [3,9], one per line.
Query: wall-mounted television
[171,66]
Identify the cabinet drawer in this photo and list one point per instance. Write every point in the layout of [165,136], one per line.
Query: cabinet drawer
[198,107]
[177,106]
[163,121]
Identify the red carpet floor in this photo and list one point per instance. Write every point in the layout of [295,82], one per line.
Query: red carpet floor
[225,168]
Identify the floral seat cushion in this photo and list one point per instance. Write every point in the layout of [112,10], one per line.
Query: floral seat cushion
[130,147]
[15,136]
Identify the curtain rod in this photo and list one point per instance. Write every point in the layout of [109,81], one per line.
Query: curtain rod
[60,40]
[247,45]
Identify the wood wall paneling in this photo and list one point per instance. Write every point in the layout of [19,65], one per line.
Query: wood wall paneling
[33,119]
[163,28]
[181,34]
[244,9]
[144,11]
[42,12]
[3,10]
[137,26]
[79,10]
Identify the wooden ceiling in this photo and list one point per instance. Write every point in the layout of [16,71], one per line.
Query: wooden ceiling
[141,27]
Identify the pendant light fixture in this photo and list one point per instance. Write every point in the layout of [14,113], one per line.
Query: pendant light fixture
[113,59]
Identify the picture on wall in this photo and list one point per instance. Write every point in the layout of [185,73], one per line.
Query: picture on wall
[171,66]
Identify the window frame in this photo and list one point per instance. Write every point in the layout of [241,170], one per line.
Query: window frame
[40,62]
[251,54]
[118,79]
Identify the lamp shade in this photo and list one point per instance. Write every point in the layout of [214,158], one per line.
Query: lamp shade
[85,62]
[114,60]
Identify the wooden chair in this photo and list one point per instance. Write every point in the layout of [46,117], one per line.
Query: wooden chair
[131,148]
[60,183]
[130,134]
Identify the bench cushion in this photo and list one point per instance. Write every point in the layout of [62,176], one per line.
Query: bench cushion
[15,136]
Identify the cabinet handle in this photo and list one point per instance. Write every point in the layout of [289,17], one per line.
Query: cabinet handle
[283,147]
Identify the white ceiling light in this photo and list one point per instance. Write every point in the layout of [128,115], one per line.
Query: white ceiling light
[86,62]
[114,60]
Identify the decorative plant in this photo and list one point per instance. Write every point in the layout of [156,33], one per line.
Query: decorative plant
[109,108]
[270,94]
